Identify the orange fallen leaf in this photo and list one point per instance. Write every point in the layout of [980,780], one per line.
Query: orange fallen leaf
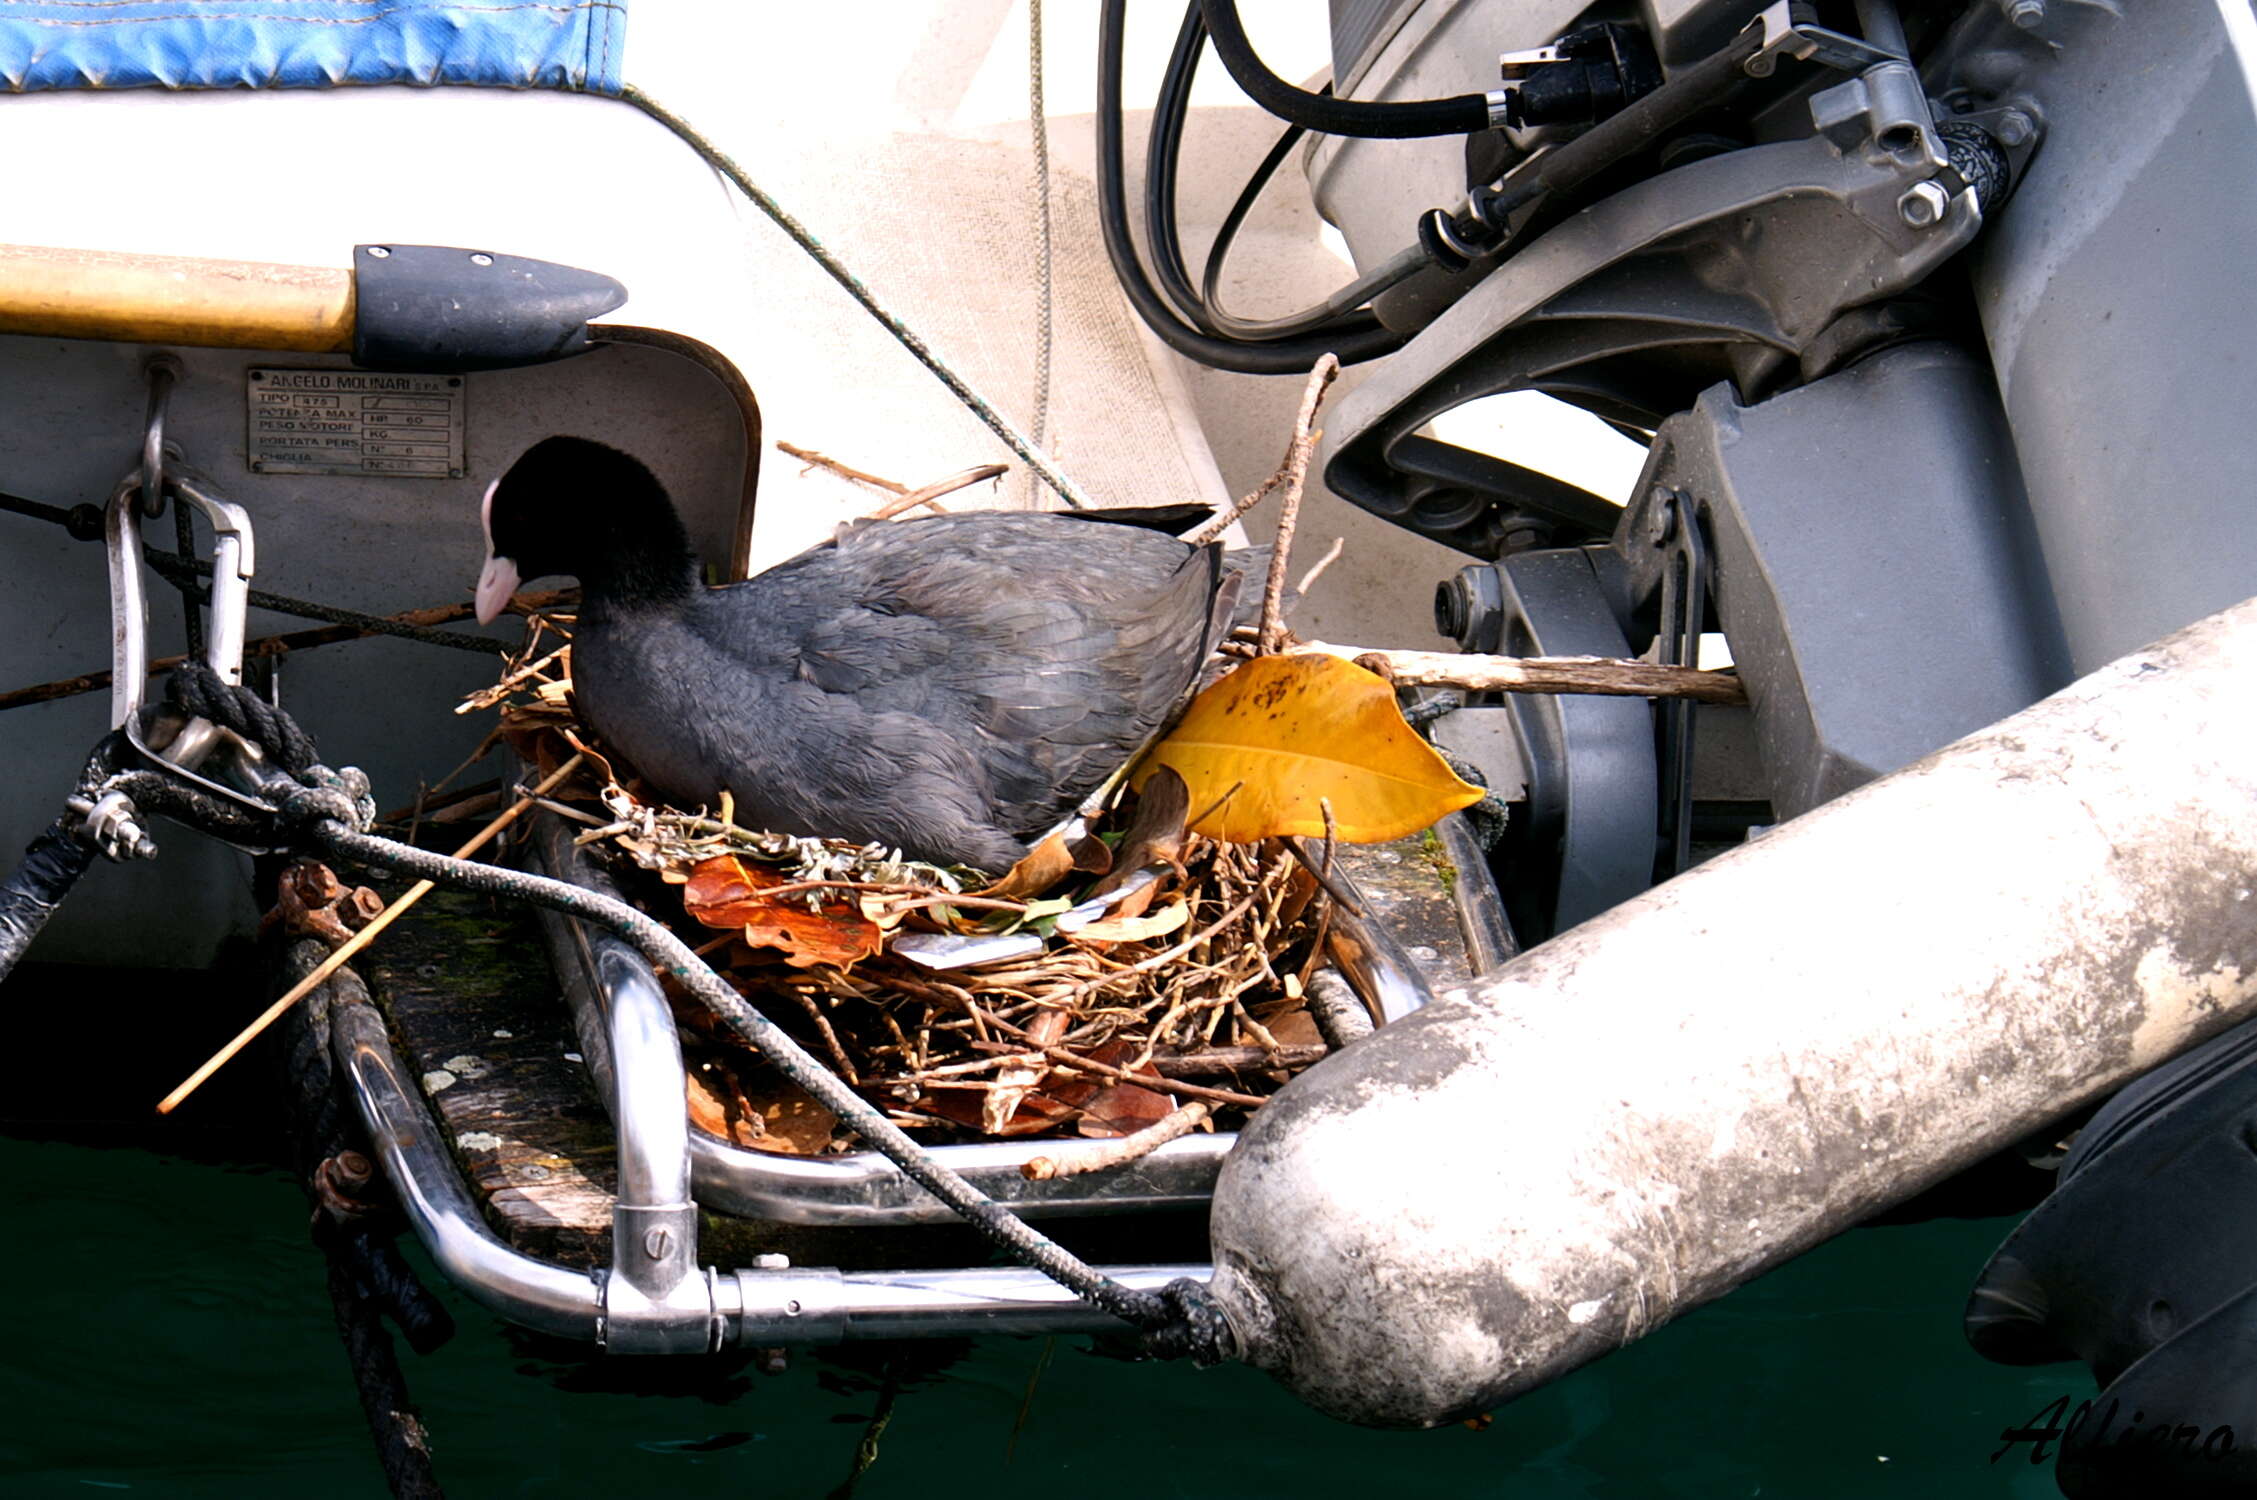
[793,1123]
[1290,733]
[728,892]
[1044,866]
[718,1110]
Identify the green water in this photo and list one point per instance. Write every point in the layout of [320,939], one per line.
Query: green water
[171,1337]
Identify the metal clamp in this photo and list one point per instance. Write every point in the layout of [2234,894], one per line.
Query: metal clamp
[188,744]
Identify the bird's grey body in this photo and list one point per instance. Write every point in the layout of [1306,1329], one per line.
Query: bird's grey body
[950,686]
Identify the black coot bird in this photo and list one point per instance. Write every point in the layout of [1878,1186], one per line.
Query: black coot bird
[951,686]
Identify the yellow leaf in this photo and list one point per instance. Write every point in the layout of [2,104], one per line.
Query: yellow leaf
[1294,731]
[1135,929]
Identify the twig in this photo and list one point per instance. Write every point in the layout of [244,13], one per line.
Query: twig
[1601,675]
[830,1037]
[1321,873]
[354,944]
[1316,569]
[1296,475]
[1074,1061]
[1096,1156]
[824,461]
[931,493]
[1215,526]
[487,697]
[1218,1060]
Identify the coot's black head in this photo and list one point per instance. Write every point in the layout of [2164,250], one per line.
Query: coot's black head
[575,507]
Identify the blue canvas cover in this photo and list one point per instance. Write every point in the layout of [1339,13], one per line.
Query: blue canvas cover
[275,44]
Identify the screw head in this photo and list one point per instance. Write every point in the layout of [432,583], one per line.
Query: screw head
[1924,205]
[379,252]
[2027,14]
[658,1242]
[2014,128]
[481,258]
[1661,520]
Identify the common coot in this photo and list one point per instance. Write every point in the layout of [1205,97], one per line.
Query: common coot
[950,686]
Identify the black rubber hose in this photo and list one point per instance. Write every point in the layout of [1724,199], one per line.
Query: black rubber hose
[51,866]
[1465,114]
[1163,150]
[1345,310]
[1181,1317]
[1279,357]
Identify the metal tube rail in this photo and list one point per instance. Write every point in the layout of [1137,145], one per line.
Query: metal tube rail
[517,1287]
[753,1308]
[825,1306]
[653,1220]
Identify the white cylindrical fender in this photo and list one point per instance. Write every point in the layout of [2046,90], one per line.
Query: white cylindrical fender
[1649,1110]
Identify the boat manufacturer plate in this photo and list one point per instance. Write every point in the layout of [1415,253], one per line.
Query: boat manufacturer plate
[355,422]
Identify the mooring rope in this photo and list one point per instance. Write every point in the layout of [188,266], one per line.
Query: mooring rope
[837,270]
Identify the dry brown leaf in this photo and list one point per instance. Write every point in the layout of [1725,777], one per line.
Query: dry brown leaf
[730,892]
[1092,855]
[1291,733]
[1123,1109]
[1044,866]
[793,1123]
[716,1109]
[1154,836]
[1038,1113]
[1296,1028]
[1012,1085]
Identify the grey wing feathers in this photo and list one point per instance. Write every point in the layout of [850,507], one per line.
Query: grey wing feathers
[1063,670]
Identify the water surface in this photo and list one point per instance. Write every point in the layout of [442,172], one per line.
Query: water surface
[172,1338]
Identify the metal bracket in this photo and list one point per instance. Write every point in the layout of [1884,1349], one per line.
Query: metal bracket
[1676,524]
[1788,31]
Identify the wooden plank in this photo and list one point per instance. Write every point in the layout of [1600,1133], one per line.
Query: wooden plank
[466,985]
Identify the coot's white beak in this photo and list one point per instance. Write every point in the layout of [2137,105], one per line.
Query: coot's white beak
[495,585]
[499,579]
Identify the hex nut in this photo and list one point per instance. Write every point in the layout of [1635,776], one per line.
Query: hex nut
[1924,204]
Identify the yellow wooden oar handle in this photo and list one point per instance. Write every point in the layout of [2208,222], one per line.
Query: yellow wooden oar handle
[170,299]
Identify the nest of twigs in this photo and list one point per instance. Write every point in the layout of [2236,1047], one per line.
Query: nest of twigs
[1180,1003]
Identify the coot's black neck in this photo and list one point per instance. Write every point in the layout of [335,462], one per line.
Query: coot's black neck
[633,567]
